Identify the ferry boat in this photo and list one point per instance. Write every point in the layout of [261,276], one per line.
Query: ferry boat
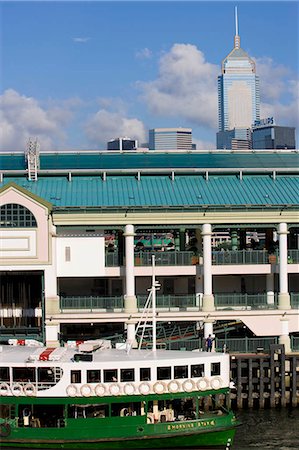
[89,395]
[96,397]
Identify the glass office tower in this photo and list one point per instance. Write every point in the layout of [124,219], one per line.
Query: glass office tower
[238,90]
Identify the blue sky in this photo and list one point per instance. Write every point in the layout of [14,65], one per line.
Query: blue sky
[76,74]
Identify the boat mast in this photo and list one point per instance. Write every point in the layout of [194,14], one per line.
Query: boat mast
[154,305]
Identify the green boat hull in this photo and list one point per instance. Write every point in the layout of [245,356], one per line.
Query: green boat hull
[209,430]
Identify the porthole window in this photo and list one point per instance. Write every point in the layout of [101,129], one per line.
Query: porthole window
[13,215]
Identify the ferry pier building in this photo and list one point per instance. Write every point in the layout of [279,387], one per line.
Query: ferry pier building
[78,231]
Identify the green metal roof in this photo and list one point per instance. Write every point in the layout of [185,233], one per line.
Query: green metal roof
[153,160]
[162,191]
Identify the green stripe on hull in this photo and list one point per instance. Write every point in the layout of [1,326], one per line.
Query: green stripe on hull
[208,440]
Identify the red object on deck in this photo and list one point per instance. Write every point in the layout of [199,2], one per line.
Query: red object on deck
[21,341]
[44,356]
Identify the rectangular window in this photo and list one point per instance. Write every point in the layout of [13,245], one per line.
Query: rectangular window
[93,376]
[4,373]
[145,374]
[198,370]
[67,254]
[163,373]
[23,374]
[110,375]
[180,371]
[75,376]
[127,375]
[215,368]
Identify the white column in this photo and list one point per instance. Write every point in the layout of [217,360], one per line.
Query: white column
[51,298]
[284,338]
[283,296]
[130,297]
[208,297]
[270,288]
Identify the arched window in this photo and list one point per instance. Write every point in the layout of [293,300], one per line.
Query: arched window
[16,216]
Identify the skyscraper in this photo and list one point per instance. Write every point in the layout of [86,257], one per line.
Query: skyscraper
[238,90]
[170,139]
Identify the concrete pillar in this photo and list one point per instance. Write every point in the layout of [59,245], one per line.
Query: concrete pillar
[52,330]
[283,296]
[270,288]
[284,338]
[51,298]
[234,239]
[130,298]
[208,297]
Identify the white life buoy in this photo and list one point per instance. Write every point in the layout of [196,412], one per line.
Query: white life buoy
[29,389]
[100,390]
[114,389]
[174,386]
[202,384]
[144,388]
[216,383]
[129,388]
[188,385]
[159,387]
[71,390]
[86,390]
[17,389]
[4,389]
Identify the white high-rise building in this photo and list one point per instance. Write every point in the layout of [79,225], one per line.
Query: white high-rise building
[170,139]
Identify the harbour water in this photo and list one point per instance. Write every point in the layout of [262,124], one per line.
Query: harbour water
[268,429]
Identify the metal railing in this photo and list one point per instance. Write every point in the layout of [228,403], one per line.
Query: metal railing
[295,343]
[91,303]
[293,256]
[231,345]
[294,296]
[169,302]
[242,257]
[244,301]
[111,259]
[171,258]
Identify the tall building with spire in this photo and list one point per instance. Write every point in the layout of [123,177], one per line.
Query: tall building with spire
[238,94]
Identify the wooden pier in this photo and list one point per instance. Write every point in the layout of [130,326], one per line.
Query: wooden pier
[265,380]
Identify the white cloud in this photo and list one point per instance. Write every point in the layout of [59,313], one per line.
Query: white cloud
[204,145]
[144,53]
[279,92]
[81,40]
[106,125]
[22,117]
[186,87]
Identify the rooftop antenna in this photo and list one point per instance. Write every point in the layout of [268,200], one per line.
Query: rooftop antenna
[237,37]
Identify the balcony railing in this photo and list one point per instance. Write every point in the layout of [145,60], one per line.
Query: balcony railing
[244,301]
[293,256]
[91,303]
[232,345]
[242,257]
[294,300]
[172,302]
[183,302]
[111,259]
[171,258]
